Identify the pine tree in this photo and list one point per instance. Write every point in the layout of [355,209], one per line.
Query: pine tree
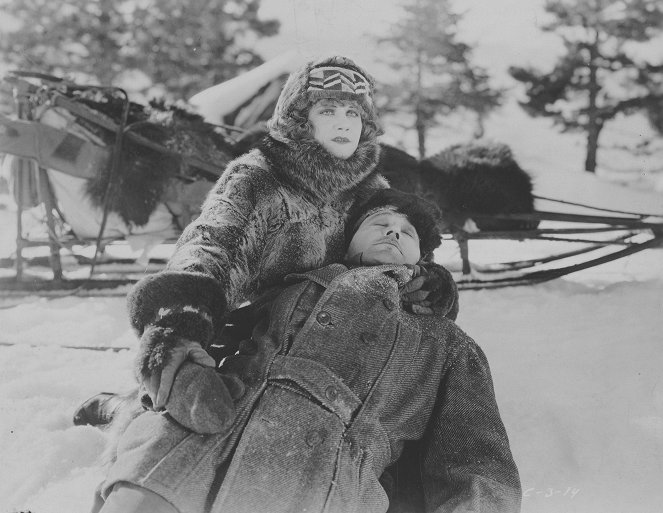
[434,74]
[599,76]
[182,46]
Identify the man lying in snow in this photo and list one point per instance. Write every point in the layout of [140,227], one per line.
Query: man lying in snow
[334,391]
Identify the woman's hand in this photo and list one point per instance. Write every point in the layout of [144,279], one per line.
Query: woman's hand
[164,356]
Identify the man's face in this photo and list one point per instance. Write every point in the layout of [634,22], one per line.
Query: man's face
[384,237]
[337,126]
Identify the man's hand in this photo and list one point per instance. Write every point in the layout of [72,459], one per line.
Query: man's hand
[160,381]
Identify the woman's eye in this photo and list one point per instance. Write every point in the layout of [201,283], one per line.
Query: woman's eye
[353,113]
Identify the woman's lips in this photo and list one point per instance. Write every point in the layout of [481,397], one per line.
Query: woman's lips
[341,140]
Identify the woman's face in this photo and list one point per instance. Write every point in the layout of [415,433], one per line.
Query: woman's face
[336,126]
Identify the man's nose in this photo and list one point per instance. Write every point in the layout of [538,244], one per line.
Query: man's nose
[393,233]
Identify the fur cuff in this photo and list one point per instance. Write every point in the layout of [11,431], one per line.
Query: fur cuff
[155,350]
[182,294]
[186,321]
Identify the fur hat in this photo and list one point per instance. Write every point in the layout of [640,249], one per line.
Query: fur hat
[333,77]
[423,215]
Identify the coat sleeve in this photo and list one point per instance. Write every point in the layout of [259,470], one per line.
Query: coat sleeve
[216,260]
[465,461]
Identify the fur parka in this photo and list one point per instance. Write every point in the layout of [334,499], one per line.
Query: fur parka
[277,210]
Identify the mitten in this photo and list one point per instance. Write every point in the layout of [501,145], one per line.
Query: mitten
[201,399]
[432,291]
[175,335]
[164,337]
[167,308]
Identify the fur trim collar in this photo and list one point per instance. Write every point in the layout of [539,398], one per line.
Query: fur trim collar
[399,274]
[307,166]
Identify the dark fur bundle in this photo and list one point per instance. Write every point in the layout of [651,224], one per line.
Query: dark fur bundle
[142,176]
[478,178]
[400,169]
[143,173]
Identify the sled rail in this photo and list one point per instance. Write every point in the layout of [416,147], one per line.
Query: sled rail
[541,215]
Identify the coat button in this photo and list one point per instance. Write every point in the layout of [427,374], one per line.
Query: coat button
[331,393]
[366,338]
[323,318]
[388,304]
[315,437]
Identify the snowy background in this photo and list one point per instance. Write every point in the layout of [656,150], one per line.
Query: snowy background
[577,362]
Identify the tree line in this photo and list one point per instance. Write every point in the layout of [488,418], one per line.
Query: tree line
[185,47]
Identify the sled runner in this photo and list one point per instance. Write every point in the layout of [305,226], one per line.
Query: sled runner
[119,174]
[600,239]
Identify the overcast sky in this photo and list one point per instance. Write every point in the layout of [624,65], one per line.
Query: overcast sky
[503,32]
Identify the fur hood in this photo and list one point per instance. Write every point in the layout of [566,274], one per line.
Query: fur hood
[306,166]
[332,77]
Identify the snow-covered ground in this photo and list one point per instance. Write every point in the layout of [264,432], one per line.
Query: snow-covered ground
[576,363]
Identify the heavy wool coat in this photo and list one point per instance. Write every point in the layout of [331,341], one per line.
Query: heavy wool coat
[341,385]
[277,210]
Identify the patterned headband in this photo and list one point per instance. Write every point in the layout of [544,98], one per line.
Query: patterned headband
[333,78]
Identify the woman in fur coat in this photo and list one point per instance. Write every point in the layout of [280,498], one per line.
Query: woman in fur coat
[277,210]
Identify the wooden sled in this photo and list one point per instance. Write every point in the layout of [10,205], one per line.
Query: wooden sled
[43,151]
[603,235]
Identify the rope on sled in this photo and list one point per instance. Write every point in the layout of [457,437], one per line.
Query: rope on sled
[110,187]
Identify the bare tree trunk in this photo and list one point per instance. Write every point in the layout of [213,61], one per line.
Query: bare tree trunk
[419,123]
[421,138]
[479,128]
[592,146]
[105,73]
[593,121]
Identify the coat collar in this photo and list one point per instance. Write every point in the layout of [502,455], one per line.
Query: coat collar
[307,166]
[401,274]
